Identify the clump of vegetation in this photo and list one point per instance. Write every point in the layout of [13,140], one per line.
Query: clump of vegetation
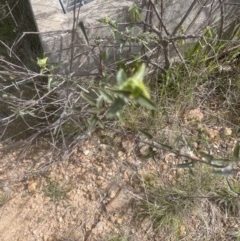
[150,93]
[56,191]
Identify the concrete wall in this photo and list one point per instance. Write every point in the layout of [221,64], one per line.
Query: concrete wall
[55,28]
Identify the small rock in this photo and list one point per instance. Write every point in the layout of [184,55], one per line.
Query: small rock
[88,226]
[194,115]
[86,152]
[170,178]
[121,201]
[136,165]
[47,199]
[224,145]
[112,194]
[182,231]
[99,227]
[144,150]
[6,189]
[121,156]
[92,196]
[164,166]
[117,140]
[211,133]
[32,186]
[227,131]
[119,220]
[70,196]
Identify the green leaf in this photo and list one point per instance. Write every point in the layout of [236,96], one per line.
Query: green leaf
[52,82]
[103,56]
[135,13]
[142,100]
[77,109]
[42,63]
[151,154]
[149,136]
[176,142]
[82,28]
[121,77]
[94,110]
[231,189]
[120,117]
[117,106]
[99,101]
[191,171]
[124,93]
[85,90]
[217,173]
[88,99]
[208,157]
[236,152]
[108,98]
[100,123]
[185,165]
[164,147]
[209,32]
[135,84]
[189,148]
[220,162]
[92,123]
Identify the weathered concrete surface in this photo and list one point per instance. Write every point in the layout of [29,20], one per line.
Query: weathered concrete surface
[55,28]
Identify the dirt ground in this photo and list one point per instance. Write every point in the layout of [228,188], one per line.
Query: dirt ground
[92,196]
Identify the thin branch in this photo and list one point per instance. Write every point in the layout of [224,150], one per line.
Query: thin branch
[178,153]
[222,19]
[159,17]
[184,18]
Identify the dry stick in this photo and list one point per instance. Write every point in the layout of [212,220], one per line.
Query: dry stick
[160,27]
[173,38]
[184,18]
[147,18]
[10,54]
[75,19]
[10,11]
[180,56]
[159,18]
[165,43]
[20,143]
[194,19]
[33,136]
[211,15]
[222,19]
[177,153]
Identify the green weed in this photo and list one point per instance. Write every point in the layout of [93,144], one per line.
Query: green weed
[3,199]
[56,191]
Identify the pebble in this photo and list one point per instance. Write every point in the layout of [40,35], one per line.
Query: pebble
[144,150]
[86,152]
[227,131]
[119,220]
[112,194]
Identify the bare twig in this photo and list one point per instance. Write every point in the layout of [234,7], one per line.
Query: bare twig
[184,17]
